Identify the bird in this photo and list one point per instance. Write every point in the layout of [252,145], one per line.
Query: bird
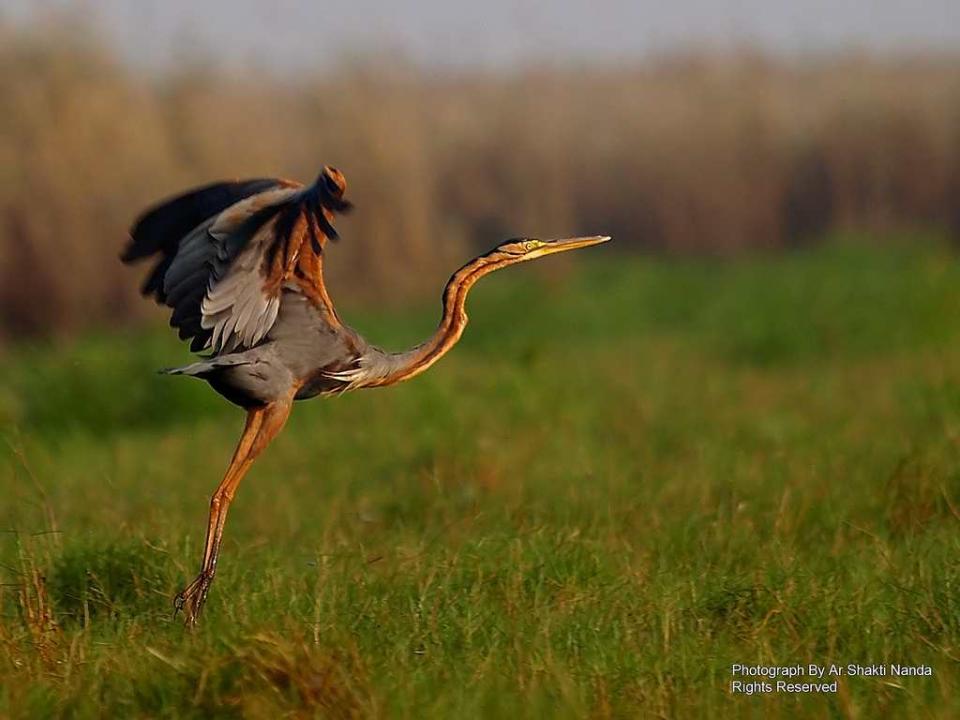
[240,264]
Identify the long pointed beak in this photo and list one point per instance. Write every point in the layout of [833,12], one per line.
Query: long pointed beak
[561,244]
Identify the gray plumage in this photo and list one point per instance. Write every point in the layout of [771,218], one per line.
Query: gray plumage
[301,343]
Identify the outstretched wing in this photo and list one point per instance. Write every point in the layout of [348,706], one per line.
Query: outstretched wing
[227,249]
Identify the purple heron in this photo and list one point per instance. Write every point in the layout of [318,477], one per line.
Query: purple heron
[241,266]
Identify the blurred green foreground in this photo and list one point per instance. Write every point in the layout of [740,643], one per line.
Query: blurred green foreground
[621,483]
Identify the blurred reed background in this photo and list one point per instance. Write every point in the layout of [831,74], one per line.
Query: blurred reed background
[685,153]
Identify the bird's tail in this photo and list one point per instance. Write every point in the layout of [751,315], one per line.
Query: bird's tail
[197,369]
[205,367]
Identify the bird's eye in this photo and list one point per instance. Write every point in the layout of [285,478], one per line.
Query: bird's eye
[519,247]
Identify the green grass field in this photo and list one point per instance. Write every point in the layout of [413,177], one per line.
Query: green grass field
[621,482]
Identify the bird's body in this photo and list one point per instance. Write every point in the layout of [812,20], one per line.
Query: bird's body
[303,346]
[241,266]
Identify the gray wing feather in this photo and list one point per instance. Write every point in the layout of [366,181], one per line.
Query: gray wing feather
[191,260]
[195,238]
[235,306]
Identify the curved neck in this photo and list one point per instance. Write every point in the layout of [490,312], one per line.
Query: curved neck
[411,363]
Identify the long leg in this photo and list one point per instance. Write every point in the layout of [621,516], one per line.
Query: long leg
[262,426]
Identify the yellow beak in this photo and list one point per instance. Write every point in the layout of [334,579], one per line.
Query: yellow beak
[561,244]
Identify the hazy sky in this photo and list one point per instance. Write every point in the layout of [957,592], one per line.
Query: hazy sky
[288,34]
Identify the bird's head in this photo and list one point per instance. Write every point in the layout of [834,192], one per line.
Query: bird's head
[523,249]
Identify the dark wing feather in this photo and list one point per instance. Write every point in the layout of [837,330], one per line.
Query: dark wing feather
[225,252]
[162,226]
[160,229]
[190,259]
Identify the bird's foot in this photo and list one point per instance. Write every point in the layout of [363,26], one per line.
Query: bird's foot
[192,598]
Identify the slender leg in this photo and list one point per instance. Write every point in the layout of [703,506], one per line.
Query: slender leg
[262,426]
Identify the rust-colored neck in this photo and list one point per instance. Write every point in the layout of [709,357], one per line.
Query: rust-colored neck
[415,361]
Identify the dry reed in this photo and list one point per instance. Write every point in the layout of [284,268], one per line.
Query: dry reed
[683,154]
